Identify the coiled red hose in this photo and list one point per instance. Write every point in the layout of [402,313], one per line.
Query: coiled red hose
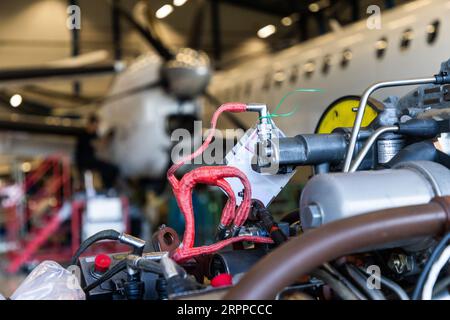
[215,176]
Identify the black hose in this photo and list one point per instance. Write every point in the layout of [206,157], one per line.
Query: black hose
[102,235]
[328,267]
[421,151]
[263,215]
[338,287]
[291,217]
[426,269]
[150,266]
[107,275]
[146,265]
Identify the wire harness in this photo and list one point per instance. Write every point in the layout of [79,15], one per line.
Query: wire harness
[214,176]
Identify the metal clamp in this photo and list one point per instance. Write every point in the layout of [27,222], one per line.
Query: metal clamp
[365,150]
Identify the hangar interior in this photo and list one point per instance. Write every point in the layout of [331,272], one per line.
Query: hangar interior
[200,149]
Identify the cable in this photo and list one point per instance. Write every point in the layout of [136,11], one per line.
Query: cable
[273,114]
[182,190]
[361,281]
[150,266]
[390,284]
[107,275]
[427,293]
[436,253]
[262,214]
[102,235]
[143,264]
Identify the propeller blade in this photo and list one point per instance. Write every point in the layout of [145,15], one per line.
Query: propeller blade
[22,76]
[94,57]
[132,91]
[58,95]
[41,124]
[159,47]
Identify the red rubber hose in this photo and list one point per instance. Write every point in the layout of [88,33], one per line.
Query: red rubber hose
[215,176]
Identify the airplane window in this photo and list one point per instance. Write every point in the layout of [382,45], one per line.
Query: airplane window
[237,93]
[347,56]
[267,80]
[309,68]
[326,64]
[248,89]
[433,31]
[294,75]
[279,78]
[228,95]
[381,46]
[407,38]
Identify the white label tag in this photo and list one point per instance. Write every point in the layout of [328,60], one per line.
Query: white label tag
[264,187]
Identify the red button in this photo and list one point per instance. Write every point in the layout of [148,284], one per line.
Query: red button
[222,280]
[102,263]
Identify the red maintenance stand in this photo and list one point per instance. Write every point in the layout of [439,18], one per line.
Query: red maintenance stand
[46,223]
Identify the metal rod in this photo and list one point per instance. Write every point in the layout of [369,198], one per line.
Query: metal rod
[362,109]
[389,284]
[365,150]
[216,30]
[75,48]
[116,30]
[361,281]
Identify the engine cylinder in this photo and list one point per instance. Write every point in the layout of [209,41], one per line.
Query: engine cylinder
[331,197]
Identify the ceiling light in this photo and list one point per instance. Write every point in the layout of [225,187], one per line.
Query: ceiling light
[267,31]
[314,7]
[179,3]
[16,100]
[26,167]
[286,21]
[164,11]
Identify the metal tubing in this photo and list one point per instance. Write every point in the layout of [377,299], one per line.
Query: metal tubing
[341,290]
[365,150]
[361,281]
[261,109]
[389,284]
[362,109]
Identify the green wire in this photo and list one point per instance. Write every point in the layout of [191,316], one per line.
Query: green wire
[293,111]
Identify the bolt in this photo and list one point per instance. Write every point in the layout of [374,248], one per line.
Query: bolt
[312,216]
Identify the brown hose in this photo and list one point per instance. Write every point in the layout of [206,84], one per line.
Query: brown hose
[303,254]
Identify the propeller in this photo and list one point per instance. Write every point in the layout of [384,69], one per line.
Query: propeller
[183,80]
[185,73]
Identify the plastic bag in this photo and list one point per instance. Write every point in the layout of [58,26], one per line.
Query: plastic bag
[49,281]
